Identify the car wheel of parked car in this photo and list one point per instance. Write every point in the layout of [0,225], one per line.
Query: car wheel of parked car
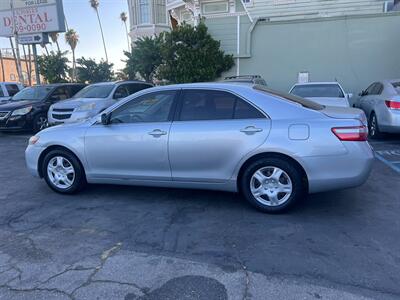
[373,127]
[272,185]
[63,172]
[39,123]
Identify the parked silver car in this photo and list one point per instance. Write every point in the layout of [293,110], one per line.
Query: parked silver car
[325,93]
[92,100]
[9,89]
[381,103]
[272,147]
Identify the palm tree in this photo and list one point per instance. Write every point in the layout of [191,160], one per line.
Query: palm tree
[95,5]
[124,17]
[72,39]
[54,38]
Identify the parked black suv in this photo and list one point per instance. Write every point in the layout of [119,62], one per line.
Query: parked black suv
[27,110]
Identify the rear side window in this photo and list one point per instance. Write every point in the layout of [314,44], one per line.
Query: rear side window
[12,89]
[136,87]
[318,90]
[215,105]
[396,86]
[290,97]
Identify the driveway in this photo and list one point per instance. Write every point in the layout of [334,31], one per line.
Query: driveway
[118,242]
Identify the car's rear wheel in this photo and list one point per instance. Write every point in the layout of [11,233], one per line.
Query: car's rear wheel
[63,172]
[272,185]
[373,127]
[39,123]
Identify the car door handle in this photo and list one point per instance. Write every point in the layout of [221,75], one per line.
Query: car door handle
[157,133]
[250,130]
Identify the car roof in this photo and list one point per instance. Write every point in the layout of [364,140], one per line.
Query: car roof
[120,82]
[58,84]
[317,82]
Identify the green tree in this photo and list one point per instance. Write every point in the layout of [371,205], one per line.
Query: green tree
[54,66]
[90,71]
[144,59]
[190,54]
[72,39]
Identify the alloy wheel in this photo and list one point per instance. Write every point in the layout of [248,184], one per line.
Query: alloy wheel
[271,186]
[61,172]
[42,123]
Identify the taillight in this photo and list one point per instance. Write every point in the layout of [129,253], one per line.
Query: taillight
[392,104]
[356,133]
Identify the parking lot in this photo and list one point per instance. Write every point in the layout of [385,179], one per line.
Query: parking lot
[118,242]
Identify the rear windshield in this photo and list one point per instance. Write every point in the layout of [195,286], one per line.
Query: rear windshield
[318,90]
[396,86]
[289,97]
[95,91]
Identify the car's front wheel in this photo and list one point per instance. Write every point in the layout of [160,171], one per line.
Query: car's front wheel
[63,172]
[39,123]
[272,185]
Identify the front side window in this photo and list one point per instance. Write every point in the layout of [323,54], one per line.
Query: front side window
[60,93]
[318,90]
[215,105]
[36,93]
[154,107]
[1,92]
[95,91]
[144,11]
[12,89]
[370,89]
[121,92]
[136,87]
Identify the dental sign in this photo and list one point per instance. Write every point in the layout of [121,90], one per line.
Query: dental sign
[31,16]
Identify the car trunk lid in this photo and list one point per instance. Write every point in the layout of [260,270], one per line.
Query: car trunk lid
[345,113]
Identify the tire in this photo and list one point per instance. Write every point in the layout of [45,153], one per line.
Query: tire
[59,163]
[275,195]
[373,127]
[39,123]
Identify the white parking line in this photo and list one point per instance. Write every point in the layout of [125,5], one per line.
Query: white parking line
[390,164]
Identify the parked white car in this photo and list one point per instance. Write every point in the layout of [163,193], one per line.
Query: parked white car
[381,104]
[325,93]
[9,89]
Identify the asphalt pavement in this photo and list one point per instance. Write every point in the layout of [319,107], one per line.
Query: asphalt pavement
[119,242]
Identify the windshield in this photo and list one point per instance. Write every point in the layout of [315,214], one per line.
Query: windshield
[303,102]
[396,86]
[95,91]
[318,90]
[35,93]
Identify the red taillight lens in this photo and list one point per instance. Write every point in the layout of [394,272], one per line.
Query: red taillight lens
[392,104]
[355,134]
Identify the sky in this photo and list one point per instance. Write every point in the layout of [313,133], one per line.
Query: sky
[82,17]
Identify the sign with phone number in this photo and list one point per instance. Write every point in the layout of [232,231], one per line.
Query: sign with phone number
[34,17]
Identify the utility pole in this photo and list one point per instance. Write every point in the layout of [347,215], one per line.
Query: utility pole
[19,69]
[37,73]
[2,66]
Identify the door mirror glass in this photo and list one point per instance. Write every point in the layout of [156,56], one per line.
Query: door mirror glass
[349,95]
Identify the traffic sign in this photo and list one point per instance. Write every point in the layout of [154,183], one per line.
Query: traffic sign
[36,38]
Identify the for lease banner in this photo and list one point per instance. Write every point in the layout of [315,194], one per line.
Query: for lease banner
[31,16]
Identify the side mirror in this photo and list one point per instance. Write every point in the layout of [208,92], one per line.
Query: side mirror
[105,119]
[349,95]
[363,93]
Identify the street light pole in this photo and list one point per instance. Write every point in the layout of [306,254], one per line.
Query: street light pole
[19,69]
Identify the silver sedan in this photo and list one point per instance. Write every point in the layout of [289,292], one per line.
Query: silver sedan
[381,103]
[271,147]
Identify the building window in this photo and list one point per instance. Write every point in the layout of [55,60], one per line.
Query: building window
[144,11]
[186,16]
[215,8]
[247,2]
[160,12]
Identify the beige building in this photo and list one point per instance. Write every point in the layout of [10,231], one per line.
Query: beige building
[8,69]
